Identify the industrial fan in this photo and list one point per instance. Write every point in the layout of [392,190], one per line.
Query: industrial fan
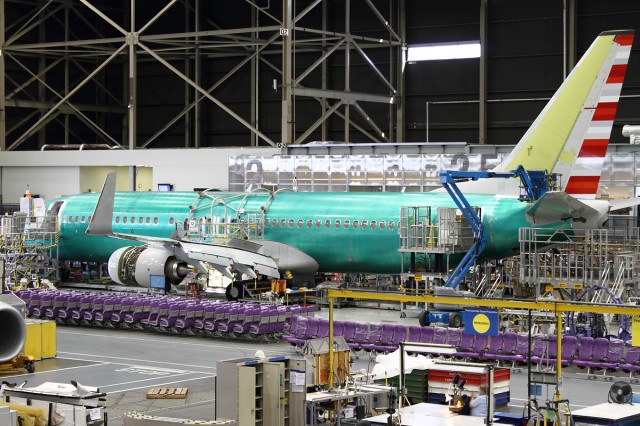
[620,393]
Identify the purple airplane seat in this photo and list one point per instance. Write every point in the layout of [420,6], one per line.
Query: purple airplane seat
[59,303]
[34,303]
[630,361]
[360,336]
[613,358]
[597,357]
[375,333]
[251,317]
[103,317]
[77,315]
[439,335]
[466,346]
[426,336]
[585,351]
[154,311]
[454,336]
[72,303]
[208,313]
[414,333]
[96,306]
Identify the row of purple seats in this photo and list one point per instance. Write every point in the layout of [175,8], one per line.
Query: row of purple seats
[506,347]
[163,313]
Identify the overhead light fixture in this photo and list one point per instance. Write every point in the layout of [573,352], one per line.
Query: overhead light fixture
[443,51]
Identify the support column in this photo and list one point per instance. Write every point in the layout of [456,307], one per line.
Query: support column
[401,61]
[197,109]
[569,32]
[3,96]
[482,95]
[132,40]
[255,66]
[287,80]
[347,67]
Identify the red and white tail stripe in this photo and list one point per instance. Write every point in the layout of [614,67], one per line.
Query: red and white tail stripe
[585,174]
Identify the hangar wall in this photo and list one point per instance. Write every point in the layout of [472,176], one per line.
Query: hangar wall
[54,173]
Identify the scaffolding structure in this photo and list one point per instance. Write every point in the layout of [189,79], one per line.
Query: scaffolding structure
[28,247]
[564,259]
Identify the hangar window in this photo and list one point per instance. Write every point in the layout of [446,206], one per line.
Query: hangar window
[365,224]
[318,223]
[355,224]
[82,219]
[347,223]
[327,223]
[117,219]
[283,223]
[155,220]
[373,224]
[337,223]
[383,224]
[124,219]
[392,225]
[442,51]
[274,223]
[148,220]
[171,221]
[300,222]
[309,223]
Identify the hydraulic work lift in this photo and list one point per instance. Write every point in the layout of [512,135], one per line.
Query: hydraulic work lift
[534,184]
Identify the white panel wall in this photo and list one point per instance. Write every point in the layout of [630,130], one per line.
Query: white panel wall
[54,173]
[48,182]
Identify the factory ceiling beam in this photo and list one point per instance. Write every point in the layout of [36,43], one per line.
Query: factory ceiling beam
[304,33]
[211,89]
[206,94]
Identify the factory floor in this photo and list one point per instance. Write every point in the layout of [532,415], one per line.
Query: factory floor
[125,364]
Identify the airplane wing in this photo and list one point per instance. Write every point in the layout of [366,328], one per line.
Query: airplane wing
[240,255]
[558,206]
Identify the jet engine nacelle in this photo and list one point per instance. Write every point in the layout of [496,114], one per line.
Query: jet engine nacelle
[13,330]
[135,265]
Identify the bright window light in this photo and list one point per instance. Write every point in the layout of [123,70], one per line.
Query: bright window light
[442,51]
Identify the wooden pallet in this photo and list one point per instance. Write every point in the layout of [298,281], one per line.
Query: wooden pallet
[167,393]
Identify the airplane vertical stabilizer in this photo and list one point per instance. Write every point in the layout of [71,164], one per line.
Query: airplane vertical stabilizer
[571,134]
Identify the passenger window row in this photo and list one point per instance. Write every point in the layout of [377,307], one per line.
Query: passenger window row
[327,223]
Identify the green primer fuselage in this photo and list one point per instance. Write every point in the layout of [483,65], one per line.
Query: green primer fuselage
[335,249]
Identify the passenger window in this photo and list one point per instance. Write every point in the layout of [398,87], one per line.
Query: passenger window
[290,223]
[124,219]
[274,223]
[148,220]
[266,223]
[117,219]
[300,223]
[133,220]
[89,218]
[309,223]
[77,219]
[347,223]
[282,223]
[327,223]
[318,223]
[171,221]
[392,225]
[355,224]
[140,220]
[373,224]
[364,224]
[383,224]
[337,224]
[70,219]
[155,220]
[82,219]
